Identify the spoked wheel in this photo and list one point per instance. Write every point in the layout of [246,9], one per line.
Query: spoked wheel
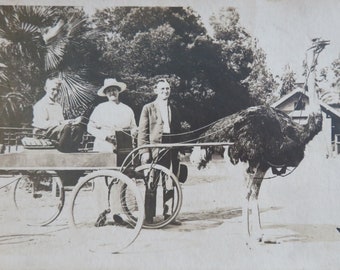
[39,197]
[163,194]
[107,211]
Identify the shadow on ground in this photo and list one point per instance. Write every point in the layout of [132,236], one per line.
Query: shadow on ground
[306,233]
[192,221]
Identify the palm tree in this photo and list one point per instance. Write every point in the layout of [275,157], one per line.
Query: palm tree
[35,43]
[15,109]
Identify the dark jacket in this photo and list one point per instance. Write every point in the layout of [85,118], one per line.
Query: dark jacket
[150,130]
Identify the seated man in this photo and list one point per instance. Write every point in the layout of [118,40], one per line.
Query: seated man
[49,121]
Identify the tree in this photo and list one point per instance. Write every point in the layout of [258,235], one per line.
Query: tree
[236,43]
[211,76]
[288,81]
[260,82]
[236,59]
[144,44]
[328,82]
[336,70]
[15,108]
[216,75]
[37,42]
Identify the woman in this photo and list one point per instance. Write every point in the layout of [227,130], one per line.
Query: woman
[106,119]
[110,116]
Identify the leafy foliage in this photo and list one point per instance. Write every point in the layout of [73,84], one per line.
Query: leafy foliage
[158,42]
[336,70]
[328,83]
[288,81]
[15,108]
[211,77]
[235,42]
[260,82]
[38,42]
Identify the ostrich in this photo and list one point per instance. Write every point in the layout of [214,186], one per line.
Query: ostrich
[263,138]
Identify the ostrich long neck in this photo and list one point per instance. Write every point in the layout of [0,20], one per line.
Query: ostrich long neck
[313,127]
[314,124]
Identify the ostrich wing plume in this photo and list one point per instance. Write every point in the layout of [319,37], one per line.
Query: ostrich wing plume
[262,135]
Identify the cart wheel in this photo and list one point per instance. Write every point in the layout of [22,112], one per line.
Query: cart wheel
[99,218]
[163,194]
[39,197]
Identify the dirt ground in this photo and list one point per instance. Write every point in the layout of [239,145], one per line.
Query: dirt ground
[300,211]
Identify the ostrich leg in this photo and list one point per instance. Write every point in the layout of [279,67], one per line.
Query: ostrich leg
[256,231]
[251,213]
[245,207]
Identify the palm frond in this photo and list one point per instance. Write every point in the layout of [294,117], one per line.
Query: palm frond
[54,54]
[76,94]
[21,35]
[3,76]
[14,107]
[40,16]
[57,38]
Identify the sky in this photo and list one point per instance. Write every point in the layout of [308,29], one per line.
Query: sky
[284,28]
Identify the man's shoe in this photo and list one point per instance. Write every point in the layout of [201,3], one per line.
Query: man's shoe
[101,220]
[121,222]
[118,219]
[174,222]
[148,220]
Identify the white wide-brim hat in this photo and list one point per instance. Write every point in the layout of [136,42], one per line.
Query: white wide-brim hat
[108,83]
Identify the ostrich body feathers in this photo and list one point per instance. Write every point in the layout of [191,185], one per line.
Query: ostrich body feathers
[262,136]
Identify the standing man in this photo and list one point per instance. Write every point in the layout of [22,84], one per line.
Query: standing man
[48,119]
[110,116]
[158,120]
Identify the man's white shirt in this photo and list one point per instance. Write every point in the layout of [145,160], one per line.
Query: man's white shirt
[47,113]
[165,114]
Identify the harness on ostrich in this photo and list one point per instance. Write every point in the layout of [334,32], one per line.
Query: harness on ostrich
[278,169]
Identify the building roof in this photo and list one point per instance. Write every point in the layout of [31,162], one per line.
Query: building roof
[329,109]
[324,106]
[288,96]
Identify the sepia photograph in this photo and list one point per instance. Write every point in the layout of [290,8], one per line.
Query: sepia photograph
[169,134]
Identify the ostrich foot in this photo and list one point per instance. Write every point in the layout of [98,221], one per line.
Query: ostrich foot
[270,240]
[256,234]
[258,237]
